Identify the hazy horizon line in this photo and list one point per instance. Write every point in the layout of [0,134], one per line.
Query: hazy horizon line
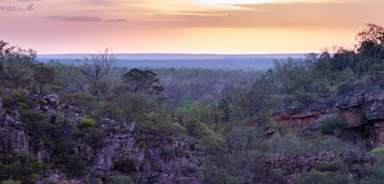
[181,53]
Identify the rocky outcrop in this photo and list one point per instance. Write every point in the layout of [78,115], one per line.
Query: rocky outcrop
[126,149]
[302,117]
[282,168]
[12,135]
[364,108]
[149,158]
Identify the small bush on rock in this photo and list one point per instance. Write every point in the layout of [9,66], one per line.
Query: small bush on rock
[330,126]
[87,123]
[32,116]
[198,129]
[379,150]
[317,177]
[120,180]
[11,182]
[125,166]
[19,166]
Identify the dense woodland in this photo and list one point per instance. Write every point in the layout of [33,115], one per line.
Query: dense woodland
[213,108]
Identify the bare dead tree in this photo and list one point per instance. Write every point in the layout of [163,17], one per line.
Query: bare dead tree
[97,66]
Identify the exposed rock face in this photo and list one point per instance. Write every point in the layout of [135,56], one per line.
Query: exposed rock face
[353,116]
[126,149]
[151,158]
[303,117]
[282,168]
[361,109]
[364,108]
[12,135]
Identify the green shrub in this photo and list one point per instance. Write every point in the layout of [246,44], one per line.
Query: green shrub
[31,115]
[21,96]
[379,150]
[129,106]
[347,87]
[375,174]
[198,129]
[215,175]
[120,180]
[330,126]
[125,166]
[73,165]
[93,136]
[67,160]
[11,182]
[213,144]
[171,128]
[330,167]
[317,177]
[167,152]
[20,166]
[199,111]
[87,123]
[85,101]
[161,123]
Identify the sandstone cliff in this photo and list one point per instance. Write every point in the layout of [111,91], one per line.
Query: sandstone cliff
[361,109]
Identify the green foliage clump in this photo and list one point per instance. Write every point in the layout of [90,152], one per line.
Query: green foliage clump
[199,111]
[16,66]
[19,99]
[81,100]
[64,158]
[129,106]
[330,126]
[217,176]
[120,180]
[20,166]
[125,166]
[141,81]
[213,144]
[11,182]
[38,129]
[296,144]
[93,136]
[161,124]
[379,150]
[43,75]
[330,167]
[374,174]
[317,177]
[32,115]
[87,123]
[167,152]
[198,129]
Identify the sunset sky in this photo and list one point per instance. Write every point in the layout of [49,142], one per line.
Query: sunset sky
[185,26]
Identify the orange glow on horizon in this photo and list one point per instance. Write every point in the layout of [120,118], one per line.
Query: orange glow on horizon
[190,26]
